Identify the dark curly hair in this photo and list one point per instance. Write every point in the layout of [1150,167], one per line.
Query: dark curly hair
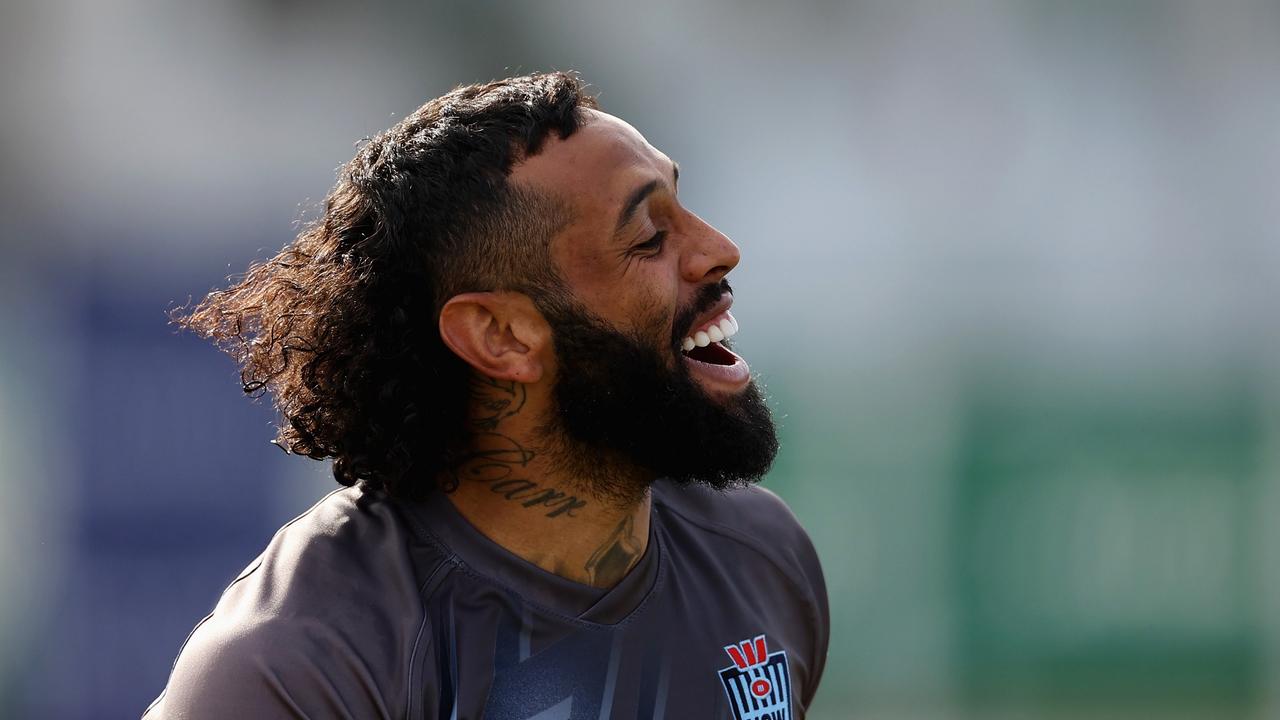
[341,326]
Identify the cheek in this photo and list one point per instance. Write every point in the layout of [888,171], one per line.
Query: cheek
[641,296]
[653,311]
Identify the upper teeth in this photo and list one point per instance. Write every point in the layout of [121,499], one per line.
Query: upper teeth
[725,327]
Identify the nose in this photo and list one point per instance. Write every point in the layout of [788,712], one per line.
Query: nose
[710,254]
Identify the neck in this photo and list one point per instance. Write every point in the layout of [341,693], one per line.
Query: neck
[537,496]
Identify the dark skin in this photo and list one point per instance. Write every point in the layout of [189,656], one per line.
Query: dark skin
[632,255]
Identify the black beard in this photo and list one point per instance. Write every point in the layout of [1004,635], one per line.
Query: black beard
[620,408]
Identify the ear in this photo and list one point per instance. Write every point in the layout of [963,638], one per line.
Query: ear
[501,334]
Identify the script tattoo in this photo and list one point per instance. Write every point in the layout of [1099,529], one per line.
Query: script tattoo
[615,557]
[499,460]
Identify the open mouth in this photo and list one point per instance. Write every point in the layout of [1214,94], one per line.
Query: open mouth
[713,354]
[704,344]
[719,370]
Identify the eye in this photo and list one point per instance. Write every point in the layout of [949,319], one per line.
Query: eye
[652,245]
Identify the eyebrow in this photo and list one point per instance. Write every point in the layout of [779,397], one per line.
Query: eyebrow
[638,196]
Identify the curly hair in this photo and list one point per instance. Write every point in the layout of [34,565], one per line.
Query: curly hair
[341,326]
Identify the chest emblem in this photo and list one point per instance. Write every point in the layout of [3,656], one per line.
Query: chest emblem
[758,682]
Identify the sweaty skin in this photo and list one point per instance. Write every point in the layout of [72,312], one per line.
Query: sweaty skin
[507,484]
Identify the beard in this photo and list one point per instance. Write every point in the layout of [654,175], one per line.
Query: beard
[623,415]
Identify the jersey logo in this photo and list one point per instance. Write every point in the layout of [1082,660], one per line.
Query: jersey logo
[758,683]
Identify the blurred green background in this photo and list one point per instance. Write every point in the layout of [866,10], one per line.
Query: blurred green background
[1009,275]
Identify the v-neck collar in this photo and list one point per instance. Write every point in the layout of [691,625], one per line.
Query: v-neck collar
[565,597]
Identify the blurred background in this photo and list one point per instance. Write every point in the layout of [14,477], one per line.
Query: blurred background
[1009,275]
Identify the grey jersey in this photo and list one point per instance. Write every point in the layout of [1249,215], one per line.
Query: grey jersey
[369,607]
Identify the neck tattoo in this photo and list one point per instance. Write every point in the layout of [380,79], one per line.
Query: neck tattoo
[499,460]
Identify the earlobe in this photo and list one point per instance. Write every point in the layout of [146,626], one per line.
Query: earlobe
[497,333]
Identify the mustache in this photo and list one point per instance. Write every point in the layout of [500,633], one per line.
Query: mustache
[705,299]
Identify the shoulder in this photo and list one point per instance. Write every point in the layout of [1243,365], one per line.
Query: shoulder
[353,549]
[752,516]
[267,667]
[326,617]
[766,533]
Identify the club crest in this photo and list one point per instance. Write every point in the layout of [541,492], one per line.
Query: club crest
[758,682]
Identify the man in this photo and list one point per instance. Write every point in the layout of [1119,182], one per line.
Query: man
[512,339]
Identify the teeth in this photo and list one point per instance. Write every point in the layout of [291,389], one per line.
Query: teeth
[726,328]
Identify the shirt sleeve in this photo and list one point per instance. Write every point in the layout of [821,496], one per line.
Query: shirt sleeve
[279,669]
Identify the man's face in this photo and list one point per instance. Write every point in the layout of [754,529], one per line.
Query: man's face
[642,366]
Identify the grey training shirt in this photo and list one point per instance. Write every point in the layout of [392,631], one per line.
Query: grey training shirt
[370,607]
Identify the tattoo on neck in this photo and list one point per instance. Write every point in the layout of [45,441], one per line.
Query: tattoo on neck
[615,556]
[494,400]
[500,460]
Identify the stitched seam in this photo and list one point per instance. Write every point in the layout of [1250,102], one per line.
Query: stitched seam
[417,641]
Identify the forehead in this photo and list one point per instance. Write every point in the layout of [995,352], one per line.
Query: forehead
[595,169]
